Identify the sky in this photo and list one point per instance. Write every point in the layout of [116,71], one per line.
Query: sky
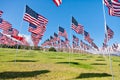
[88,13]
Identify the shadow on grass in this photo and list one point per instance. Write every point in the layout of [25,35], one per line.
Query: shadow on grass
[26,56]
[91,75]
[56,58]
[74,63]
[23,61]
[116,60]
[89,56]
[82,59]
[98,64]
[100,56]
[100,60]
[12,75]
[119,64]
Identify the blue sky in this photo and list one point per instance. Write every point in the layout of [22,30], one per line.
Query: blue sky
[89,13]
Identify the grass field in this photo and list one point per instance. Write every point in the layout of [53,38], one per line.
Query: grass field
[39,65]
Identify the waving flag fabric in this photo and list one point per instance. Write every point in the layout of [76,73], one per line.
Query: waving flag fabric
[62,32]
[35,41]
[15,32]
[94,45]
[4,25]
[34,18]
[36,36]
[37,30]
[110,33]
[57,2]
[74,24]
[51,39]
[75,39]
[56,37]
[78,28]
[113,7]
[18,38]
[74,44]
[1,12]
[8,32]
[87,37]
[11,31]
[55,34]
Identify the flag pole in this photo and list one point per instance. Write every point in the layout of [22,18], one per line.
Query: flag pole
[111,68]
[70,39]
[83,40]
[20,29]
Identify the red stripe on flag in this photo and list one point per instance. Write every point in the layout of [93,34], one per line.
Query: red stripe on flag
[57,2]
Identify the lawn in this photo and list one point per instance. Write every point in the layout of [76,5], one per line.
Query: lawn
[40,65]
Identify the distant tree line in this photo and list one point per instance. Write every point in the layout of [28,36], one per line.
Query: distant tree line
[20,47]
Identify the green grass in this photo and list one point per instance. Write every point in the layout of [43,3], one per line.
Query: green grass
[39,65]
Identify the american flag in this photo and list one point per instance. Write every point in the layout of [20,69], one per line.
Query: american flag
[36,36]
[45,43]
[115,46]
[55,34]
[56,37]
[94,45]
[35,41]
[110,33]
[62,32]
[75,39]
[15,32]
[9,40]
[1,12]
[8,32]
[78,28]
[74,44]
[36,30]
[1,35]
[11,31]
[90,40]
[4,25]
[48,42]
[4,39]
[113,7]
[18,38]
[87,37]
[55,44]
[13,43]
[66,41]
[57,2]
[51,39]
[105,40]
[63,43]
[81,43]
[34,18]
[105,45]
[74,24]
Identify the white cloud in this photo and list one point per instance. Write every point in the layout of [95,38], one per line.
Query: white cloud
[28,38]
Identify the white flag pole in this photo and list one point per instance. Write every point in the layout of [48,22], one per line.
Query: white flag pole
[107,40]
[20,29]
